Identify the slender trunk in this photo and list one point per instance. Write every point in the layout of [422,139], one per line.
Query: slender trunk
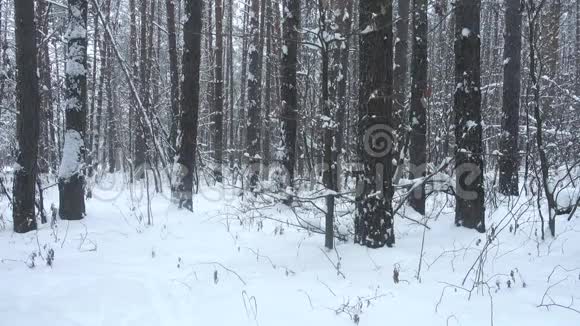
[289,90]
[141,148]
[45,159]
[329,176]
[418,116]
[401,64]
[343,22]
[231,80]
[254,94]
[243,87]
[217,115]
[268,88]
[92,110]
[111,114]
[174,73]
[509,159]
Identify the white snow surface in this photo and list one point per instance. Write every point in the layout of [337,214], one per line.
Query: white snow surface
[224,264]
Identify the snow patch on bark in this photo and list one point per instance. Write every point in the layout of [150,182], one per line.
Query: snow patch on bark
[71,154]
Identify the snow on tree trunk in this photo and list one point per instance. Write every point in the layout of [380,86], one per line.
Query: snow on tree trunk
[71,173]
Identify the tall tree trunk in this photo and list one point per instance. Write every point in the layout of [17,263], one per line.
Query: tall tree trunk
[141,148]
[509,159]
[401,62]
[418,116]
[577,52]
[71,174]
[28,118]
[133,56]
[190,103]
[289,91]
[111,114]
[268,88]
[92,110]
[254,94]
[174,73]
[374,222]
[244,84]
[44,69]
[231,80]
[217,115]
[329,165]
[469,209]
[342,54]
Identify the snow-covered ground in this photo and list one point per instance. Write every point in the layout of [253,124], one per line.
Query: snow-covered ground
[230,264]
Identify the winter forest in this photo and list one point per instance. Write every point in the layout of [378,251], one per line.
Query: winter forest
[290,162]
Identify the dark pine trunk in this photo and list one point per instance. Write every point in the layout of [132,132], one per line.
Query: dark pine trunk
[289,92]
[418,114]
[71,174]
[46,158]
[509,159]
[401,62]
[27,120]
[374,223]
[254,94]
[141,155]
[217,131]
[469,196]
[190,102]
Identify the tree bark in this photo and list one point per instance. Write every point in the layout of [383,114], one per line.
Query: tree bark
[190,103]
[46,158]
[509,159]
[401,62]
[418,116]
[71,174]
[374,223]
[344,22]
[28,118]
[254,94]
[217,115]
[141,148]
[289,91]
[174,73]
[469,196]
